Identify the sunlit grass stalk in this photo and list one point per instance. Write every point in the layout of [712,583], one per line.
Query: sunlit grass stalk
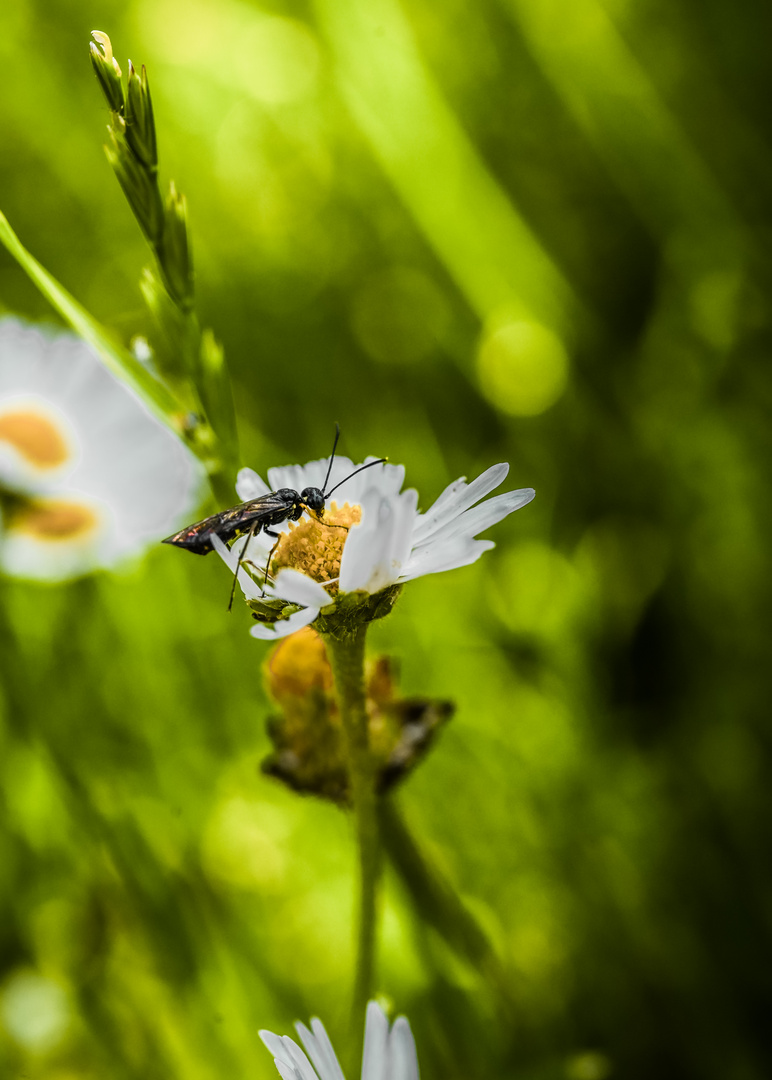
[347,656]
[189,357]
[132,151]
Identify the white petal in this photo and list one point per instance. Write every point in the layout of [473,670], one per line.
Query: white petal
[273,1044]
[387,479]
[249,485]
[342,468]
[436,558]
[450,492]
[298,477]
[285,627]
[299,1060]
[319,1049]
[369,555]
[403,1059]
[374,1056]
[287,1053]
[359,551]
[407,512]
[289,476]
[115,453]
[390,478]
[230,557]
[298,588]
[481,517]
[455,499]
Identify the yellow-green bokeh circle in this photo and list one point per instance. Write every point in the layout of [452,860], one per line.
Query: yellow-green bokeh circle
[522,367]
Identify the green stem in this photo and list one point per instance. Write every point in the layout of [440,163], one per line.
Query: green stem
[437,903]
[347,656]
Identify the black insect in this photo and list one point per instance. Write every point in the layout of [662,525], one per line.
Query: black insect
[251,517]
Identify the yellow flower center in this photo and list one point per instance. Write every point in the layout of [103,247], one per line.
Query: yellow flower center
[53,519]
[315,547]
[35,436]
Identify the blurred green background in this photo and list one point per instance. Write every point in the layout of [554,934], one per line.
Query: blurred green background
[508,230]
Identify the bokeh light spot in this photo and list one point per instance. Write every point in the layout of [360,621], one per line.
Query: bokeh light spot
[34,1011]
[243,844]
[277,60]
[522,367]
[537,590]
[588,1065]
[713,307]
[271,58]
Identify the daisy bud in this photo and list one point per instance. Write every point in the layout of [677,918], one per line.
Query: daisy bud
[310,755]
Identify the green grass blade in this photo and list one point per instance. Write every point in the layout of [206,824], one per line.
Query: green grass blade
[116,359]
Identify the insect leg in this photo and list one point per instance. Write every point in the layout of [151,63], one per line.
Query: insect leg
[318,515]
[332,525]
[277,537]
[241,559]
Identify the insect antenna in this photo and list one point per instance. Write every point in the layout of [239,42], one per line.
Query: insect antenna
[332,455]
[361,468]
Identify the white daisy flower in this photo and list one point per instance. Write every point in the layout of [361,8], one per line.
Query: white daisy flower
[385,542]
[87,474]
[388,1054]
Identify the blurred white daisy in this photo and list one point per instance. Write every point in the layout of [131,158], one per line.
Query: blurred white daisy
[87,474]
[386,540]
[389,1054]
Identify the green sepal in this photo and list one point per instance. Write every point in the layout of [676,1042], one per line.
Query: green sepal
[269,610]
[353,609]
[345,613]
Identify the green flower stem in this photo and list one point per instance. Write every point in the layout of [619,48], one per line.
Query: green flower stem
[347,656]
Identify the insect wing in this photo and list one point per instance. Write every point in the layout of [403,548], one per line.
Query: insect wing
[268,509]
[229,524]
[195,537]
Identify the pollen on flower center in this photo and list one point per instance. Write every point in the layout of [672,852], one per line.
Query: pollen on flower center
[315,547]
[35,437]
[54,520]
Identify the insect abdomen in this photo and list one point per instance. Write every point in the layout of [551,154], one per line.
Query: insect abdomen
[197,542]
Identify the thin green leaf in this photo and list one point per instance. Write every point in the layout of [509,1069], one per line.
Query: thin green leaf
[116,359]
